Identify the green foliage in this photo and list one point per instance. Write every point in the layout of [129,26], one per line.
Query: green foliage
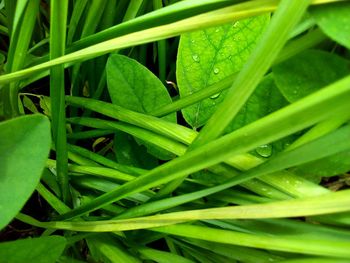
[196,131]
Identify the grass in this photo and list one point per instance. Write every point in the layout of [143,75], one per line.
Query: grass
[174,131]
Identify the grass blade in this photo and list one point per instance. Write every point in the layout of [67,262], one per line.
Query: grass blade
[59,9]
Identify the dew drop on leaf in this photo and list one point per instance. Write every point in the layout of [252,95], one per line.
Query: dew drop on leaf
[215,96]
[216,71]
[195,57]
[264,150]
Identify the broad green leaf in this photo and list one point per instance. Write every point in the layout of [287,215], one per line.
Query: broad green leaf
[300,76]
[39,250]
[24,148]
[308,72]
[334,20]
[210,55]
[134,87]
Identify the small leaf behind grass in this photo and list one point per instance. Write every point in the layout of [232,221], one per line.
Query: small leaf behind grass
[308,72]
[24,147]
[302,75]
[334,20]
[134,87]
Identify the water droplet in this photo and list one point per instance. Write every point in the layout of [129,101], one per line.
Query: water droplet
[195,57]
[215,96]
[216,71]
[264,150]
[235,24]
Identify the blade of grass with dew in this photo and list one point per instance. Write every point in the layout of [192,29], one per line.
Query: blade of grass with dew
[58,23]
[247,161]
[301,155]
[327,102]
[176,148]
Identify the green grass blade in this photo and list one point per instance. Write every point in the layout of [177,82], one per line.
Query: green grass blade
[325,204]
[75,18]
[312,247]
[59,10]
[161,45]
[133,9]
